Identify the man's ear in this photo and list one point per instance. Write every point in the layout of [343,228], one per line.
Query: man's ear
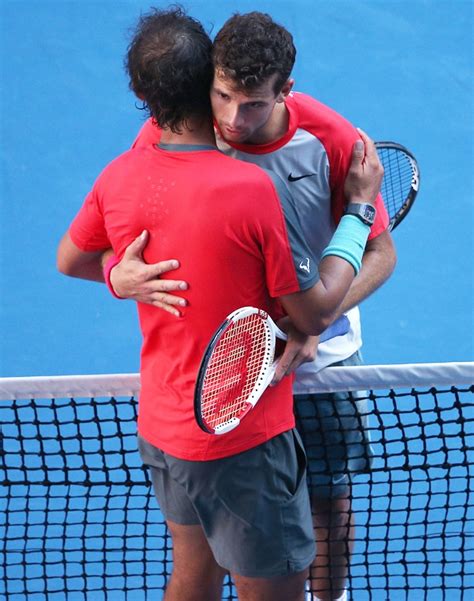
[286,89]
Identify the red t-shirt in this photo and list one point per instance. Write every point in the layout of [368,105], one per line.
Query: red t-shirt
[238,244]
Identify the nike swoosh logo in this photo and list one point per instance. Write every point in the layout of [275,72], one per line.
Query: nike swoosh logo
[292,178]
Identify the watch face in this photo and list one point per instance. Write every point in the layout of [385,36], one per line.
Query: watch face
[369,213]
[365,212]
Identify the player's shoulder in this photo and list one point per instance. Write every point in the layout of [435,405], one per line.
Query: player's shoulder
[125,165]
[130,157]
[150,133]
[320,119]
[246,181]
[238,169]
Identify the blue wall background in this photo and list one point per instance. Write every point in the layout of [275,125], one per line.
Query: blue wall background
[400,69]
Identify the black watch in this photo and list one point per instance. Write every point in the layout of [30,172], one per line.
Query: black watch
[365,212]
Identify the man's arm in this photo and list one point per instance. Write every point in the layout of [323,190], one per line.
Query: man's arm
[76,263]
[379,258]
[378,263]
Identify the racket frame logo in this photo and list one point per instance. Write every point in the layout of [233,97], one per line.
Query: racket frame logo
[205,407]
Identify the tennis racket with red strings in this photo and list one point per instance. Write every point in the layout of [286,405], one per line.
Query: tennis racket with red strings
[238,365]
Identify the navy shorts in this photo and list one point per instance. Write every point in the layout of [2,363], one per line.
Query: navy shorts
[335,431]
[253,507]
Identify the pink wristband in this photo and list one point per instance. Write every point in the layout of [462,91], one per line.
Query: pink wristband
[111,263]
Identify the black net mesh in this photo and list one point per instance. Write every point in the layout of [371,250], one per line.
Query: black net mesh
[80,521]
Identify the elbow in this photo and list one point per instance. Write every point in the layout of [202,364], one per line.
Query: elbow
[321,323]
[68,257]
[67,266]
[393,261]
[63,266]
[312,312]
[387,257]
[315,324]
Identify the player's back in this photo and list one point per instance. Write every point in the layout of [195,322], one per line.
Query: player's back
[213,213]
[224,221]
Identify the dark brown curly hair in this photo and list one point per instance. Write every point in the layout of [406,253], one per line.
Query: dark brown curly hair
[169,63]
[250,48]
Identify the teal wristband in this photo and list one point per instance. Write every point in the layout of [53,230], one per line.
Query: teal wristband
[348,241]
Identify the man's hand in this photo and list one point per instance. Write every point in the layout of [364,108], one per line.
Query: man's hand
[362,185]
[134,279]
[365,172]
[298,349]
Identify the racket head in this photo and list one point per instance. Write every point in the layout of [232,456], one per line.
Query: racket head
[401,180]
[235,370]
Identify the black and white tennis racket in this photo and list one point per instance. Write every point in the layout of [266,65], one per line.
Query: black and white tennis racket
[238,365]
[401,180]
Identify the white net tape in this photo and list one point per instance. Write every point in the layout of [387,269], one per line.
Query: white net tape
[331,379]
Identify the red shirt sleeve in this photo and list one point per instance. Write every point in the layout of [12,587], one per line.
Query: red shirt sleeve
[337,136]
[87,230]
[340,160]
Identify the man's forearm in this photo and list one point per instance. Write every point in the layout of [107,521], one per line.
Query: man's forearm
[78,264]
[378,264]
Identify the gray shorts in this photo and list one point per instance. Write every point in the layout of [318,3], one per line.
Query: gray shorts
[335,432]
[253,507]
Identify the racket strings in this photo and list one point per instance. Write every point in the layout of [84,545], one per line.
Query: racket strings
[399,178]
[234,370]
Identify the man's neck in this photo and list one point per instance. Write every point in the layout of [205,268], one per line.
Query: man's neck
[275,128]
[196,132]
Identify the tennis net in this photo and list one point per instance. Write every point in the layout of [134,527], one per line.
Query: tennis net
[79,520]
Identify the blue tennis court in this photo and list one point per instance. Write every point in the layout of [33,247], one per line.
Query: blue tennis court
[401,70]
